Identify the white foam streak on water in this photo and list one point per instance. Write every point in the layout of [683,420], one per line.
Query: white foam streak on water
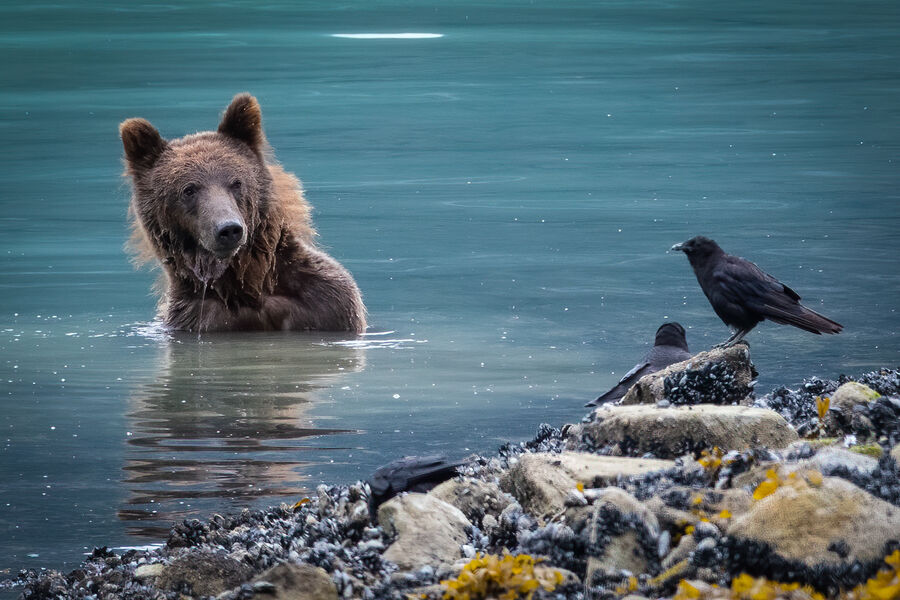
[394,344]
[388,36]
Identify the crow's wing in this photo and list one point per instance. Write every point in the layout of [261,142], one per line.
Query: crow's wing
[739,281]
[742,288]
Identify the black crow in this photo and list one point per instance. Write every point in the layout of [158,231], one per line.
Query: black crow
[409,474]
[669,348]
[742,294]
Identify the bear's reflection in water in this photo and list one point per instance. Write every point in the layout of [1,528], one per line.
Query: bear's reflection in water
[224,422]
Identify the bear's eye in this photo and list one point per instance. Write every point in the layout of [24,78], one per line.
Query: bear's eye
[236,184]
[189,191]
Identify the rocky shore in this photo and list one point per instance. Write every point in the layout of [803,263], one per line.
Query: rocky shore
[690,488]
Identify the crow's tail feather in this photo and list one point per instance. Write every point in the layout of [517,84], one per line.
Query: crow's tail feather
[804,318]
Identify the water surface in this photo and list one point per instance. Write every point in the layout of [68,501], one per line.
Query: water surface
[504,191]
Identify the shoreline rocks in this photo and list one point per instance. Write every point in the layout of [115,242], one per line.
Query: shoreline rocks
[697,497]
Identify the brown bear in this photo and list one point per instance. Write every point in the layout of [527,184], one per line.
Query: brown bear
[232,232]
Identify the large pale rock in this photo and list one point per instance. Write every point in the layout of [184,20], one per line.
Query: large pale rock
[297,582]
[833,523]
[429,531]
[670,432]
[718,376]
[474,497]
[895,453]
[204,573]
[541,482]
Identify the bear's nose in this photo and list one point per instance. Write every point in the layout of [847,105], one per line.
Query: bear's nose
[229,234]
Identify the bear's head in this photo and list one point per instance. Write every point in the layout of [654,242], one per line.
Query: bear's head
[198,200]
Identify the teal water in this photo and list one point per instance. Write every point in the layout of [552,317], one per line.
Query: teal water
[504,195]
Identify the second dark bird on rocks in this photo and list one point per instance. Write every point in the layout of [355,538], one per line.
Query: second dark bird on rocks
[409,474]
[670,347]
[743,295]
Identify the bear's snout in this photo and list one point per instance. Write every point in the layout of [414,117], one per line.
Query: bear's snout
[229,235]
[221,227]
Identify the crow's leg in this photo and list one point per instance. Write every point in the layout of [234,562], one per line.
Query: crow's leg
[737,337]
[732,341]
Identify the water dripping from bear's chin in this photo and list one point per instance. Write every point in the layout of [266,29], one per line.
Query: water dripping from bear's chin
[207,268]
[202,303]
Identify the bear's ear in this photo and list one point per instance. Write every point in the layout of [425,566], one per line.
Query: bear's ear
[243,121]
[142,142]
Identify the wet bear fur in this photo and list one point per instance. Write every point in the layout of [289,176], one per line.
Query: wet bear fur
[232,232]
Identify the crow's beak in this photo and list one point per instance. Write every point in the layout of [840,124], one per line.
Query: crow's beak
[677,248]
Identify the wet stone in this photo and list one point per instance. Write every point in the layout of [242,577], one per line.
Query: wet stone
[203,573]
[542,482]
[672,432]
[429,531]
[295,582]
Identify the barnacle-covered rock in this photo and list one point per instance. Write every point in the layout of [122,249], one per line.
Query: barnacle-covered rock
[848,408]
[541,482]
[295,582]
[623,534]
[474,497]
[873,418]
[810,527]
[429,531]
[718,376]
[626,504]
[671,432]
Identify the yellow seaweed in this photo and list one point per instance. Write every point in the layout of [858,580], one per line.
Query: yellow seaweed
[508,578]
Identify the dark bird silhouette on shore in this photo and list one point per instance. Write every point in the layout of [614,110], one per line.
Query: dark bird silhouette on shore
[409,474]
[669,348]
[742,294]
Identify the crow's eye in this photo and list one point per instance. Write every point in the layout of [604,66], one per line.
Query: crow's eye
[236,184]
[189,191]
